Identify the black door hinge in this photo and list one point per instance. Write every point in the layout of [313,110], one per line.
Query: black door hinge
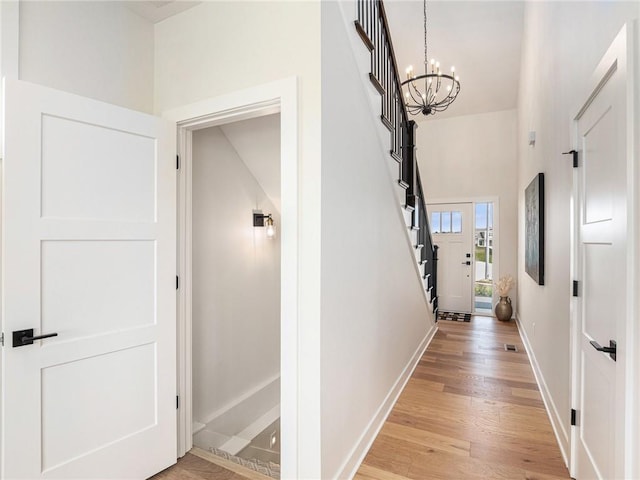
[574,154]
[177,282]
[177,162]
[2,339]
[575,288]
[573,417]
[177,402]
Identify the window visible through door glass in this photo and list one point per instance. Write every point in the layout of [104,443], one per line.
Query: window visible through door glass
[446,222]
[456,222]
[435,222]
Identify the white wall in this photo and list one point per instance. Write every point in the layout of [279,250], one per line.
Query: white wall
[562,44]
[217,48]
[100,50]
[236,280]
[374,312]
[475,156]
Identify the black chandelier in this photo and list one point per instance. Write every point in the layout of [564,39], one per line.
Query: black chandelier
[432,91]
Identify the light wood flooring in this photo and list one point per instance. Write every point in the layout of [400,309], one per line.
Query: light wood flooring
[201,465]
[471,411]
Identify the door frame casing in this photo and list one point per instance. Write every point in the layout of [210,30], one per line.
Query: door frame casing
[625,46]
[496,234]
[276,97]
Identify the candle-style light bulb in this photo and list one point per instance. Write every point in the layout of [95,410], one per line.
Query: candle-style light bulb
[409,72]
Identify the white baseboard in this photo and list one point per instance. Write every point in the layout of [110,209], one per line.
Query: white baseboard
[560,432]
[240,412]
[362,446]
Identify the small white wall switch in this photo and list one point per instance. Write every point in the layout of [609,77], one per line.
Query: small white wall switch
[532,138]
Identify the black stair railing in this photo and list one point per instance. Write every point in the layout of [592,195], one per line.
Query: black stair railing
[429,257]
[373,28]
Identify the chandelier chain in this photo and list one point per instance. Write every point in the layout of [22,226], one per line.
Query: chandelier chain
[426,57]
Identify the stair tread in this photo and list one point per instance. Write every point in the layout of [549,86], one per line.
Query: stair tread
[363,35]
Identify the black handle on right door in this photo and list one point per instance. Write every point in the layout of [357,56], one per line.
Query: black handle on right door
[26,337]
[611,349]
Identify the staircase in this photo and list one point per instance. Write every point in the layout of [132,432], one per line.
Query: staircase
[372,27]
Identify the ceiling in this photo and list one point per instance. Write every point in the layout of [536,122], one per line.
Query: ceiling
[481,39]
[157,10]
[257,143]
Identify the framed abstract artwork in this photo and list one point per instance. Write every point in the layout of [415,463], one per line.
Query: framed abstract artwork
[534,229]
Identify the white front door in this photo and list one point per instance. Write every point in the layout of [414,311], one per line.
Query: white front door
[601,268]
[89,254]
[452,230]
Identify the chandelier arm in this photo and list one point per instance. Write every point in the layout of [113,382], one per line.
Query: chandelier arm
[429,104]
[416,103]
[419,100]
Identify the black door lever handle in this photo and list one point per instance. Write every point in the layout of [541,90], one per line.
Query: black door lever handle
[611,349]
[25,337]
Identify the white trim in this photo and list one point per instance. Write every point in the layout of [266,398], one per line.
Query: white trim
[561,434]
[632,413]
[241,398]
[9,43]
[630,345]
[496,237]
[361,448]
[9,40]
[282,96]
[633,329]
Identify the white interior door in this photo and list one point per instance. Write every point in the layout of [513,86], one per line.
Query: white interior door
[452,231]
[89,254]
[601,267]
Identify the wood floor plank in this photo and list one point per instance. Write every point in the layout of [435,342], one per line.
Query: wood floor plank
[192,467]
[367,472]
[201,465]
[471,410]
[427,439]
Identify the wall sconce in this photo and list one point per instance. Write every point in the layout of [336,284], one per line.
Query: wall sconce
[260,220]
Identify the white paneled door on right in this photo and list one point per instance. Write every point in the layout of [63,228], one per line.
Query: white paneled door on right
[88,254]
[452,231]
[601,268]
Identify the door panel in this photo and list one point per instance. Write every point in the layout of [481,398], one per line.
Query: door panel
[107,381]
[598,176]
[89,253]
[454,237]
[451,279]
[597,404]
[601,269]
[598,264]
[114,172]
[81,297]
